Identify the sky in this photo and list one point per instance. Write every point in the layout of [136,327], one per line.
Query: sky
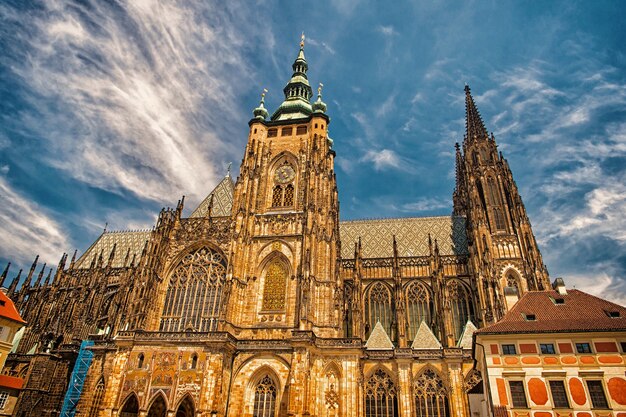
[111,110]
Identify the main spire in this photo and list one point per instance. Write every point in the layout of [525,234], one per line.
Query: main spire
[297,91]
[475,128]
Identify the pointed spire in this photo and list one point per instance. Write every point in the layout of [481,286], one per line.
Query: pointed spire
[111,256]
[47,281]
[40,276]
[30,273]
[319,106]
[260,112]
[4,274]
[73,261]
[475,128]
[14,283]
[298,92]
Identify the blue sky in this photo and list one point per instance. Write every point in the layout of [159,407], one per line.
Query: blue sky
[112,110]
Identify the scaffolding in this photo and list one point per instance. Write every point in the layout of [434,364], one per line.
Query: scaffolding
[77,380]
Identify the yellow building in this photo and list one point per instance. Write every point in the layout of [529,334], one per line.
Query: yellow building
[263,303]
[558,353]
[10,324]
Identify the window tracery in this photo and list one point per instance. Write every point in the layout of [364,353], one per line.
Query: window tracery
[419,306]
[265,395]
[381,396]
[378,307]
[460,306]
[194,295]
[98,394]
[431,395]
[275,286]
[283,190]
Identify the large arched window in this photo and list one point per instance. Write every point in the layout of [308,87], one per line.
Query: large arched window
[378,307]
[96,400]
[431,395]
[418,306]
[194,295]
[130,407]
[283,189]
[275,285]
[265,394]
[460,306]
[381,396]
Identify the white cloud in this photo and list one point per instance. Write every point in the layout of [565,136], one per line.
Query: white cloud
[28,230]
[385,159]
[322,45]
[426,204]
[134,88]
[387,30]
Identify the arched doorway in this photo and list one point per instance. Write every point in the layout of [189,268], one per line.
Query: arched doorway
[158,408]
[185,409]
[130,408]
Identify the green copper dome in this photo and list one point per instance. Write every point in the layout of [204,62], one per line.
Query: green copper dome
[297,92]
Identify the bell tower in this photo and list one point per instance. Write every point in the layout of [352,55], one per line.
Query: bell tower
[283,271]
[503,250]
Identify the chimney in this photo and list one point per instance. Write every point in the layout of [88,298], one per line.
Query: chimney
[559,285]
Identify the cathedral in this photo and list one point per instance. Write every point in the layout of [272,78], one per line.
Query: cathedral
[262,303]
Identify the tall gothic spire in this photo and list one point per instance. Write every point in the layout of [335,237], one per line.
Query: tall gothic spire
[475,128]
[297,91]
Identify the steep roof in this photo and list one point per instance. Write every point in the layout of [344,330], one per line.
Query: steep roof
[133,240]
[411,236]
[220,200]
[425,339]
[578,312]
[8,310]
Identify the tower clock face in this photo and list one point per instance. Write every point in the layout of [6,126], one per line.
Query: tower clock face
[284,174]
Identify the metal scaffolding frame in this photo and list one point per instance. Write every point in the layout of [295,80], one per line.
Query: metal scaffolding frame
[77,380]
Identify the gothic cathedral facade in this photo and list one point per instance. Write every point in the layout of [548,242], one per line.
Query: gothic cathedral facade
[263,303]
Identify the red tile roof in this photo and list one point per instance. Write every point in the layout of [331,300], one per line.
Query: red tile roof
[8,310]
[579,312]
[11,382]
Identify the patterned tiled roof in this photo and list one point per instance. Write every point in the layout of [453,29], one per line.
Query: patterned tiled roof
[134,240]
[411,236]
[577,312]
[465,341]
[222,197]
[378,340]
[425,339]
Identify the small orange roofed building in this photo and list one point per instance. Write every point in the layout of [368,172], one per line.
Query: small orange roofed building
[10,323]
[556,353]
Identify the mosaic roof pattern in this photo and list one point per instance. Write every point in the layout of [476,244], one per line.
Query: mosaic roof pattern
[425,339]
[378,340]
[133,240]
[222,203]
[411,236]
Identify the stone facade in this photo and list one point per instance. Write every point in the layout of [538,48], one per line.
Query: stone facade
[263,303]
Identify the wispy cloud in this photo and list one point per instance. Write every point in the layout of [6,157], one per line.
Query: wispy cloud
[27,229]
[320,44]
[133,80]
[387,159]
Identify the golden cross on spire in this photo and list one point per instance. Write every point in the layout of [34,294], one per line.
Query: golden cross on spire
[302,41]
[319,89]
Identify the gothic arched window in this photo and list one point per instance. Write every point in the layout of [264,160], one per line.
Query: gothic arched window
[265,395]
[431,395]
[378,307]
[288,199]
[494,192]
[274,287]
[96,401]
[498,216]
[194,295]
[418,306]
[460,306]
[277,196]
[283,190]
[381,396]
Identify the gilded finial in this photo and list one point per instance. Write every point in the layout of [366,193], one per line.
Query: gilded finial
[302,41]
[319,89]
[263,95]
[228,169]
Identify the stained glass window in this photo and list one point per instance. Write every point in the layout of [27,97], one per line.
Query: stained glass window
[461,306]
[431,395]
[97,399]
[378,307]
[194,296]
[381,396]
[265,398]
[419,306]
[275,286]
